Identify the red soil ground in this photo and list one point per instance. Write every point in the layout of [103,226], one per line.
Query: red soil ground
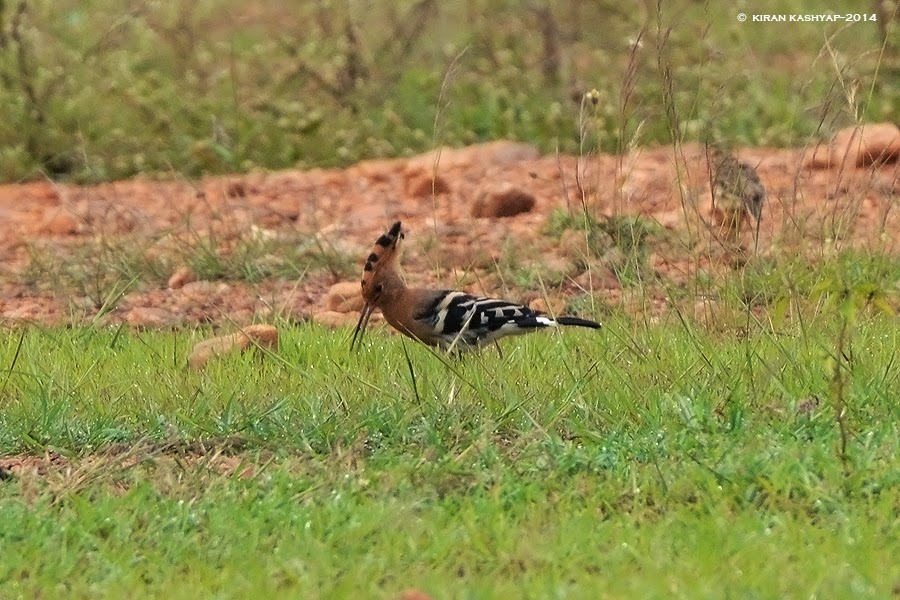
[813,208]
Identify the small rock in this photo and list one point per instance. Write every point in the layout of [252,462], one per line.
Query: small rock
[265,336]
[423,184]
[344,297]
[60,222]
[505,201]
[870,144]
[148,316]
[860,146]
[182,275]
[236,189]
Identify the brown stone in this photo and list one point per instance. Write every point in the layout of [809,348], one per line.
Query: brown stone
[344,297]
[505,201]
[423,184]
[264,336]
[182,275]
[859,146]
[236,189]
[877,143]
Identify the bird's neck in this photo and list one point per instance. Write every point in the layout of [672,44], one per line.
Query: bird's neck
[394,290]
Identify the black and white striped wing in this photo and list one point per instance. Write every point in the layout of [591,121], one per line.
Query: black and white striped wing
[466,320]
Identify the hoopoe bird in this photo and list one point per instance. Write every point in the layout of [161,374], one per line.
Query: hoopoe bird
[737,190]
[442,318]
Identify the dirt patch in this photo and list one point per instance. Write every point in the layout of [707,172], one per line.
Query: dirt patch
[177,468]
[343,211]
[116,467]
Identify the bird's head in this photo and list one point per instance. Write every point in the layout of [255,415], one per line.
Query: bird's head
[381,283]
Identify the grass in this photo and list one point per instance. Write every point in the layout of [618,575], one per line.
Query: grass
[668,450]
[94,92]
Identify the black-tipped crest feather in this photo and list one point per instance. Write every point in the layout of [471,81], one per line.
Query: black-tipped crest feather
[384,249]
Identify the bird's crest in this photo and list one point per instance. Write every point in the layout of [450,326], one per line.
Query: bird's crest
[376,273]
[383,255]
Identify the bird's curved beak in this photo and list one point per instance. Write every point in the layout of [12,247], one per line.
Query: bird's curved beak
[361,324]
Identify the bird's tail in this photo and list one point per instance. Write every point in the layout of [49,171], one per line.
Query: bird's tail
[577,322]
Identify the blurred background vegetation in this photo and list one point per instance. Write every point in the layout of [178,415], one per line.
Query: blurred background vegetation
[100,89]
